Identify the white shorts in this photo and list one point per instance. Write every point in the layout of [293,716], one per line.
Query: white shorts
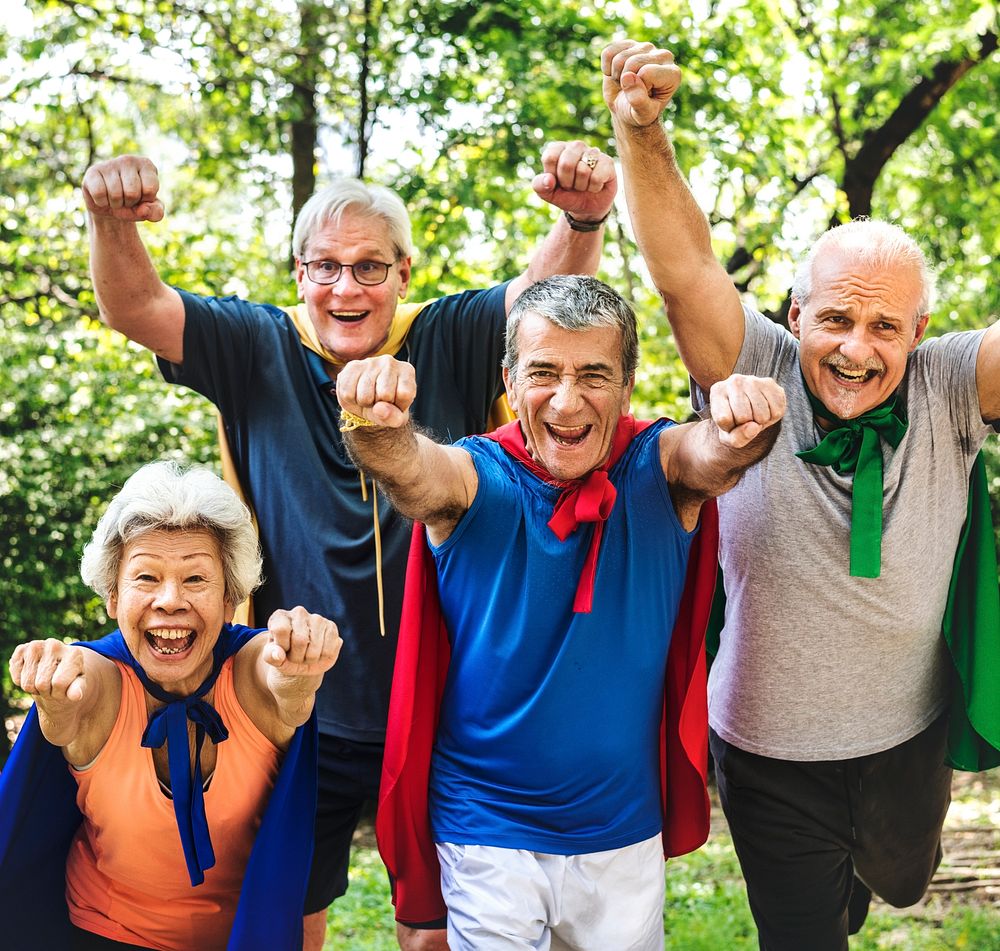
[505,899]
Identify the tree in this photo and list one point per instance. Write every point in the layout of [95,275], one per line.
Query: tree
[794,114]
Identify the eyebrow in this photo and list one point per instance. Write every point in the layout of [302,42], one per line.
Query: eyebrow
[549,365]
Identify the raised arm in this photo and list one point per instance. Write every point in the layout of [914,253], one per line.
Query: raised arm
[77,693]
[671,230]
[704,459]
[278,673]
[988,375]
[130,295]
[425,481]
[580,181]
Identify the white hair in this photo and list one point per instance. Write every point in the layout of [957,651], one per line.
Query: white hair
[164,496]
[351,194]
[876,244]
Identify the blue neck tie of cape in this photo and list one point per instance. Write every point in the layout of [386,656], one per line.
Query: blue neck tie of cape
[169,724]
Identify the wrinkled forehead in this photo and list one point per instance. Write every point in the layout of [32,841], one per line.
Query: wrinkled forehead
[541,340]
[352,234]
[844,277]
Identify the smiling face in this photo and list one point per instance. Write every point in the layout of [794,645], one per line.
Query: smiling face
[856,331]
[170,605]
[568,393]
[352,320]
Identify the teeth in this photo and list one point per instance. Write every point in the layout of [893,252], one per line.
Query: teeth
[348,313]
[170,634]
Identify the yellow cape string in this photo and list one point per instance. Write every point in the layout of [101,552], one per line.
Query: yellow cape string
[401,322]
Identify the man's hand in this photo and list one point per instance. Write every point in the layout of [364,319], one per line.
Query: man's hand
[578,179]
[379,389]
[51,672]
[639,81]
[300,644]
[744,406]
[124,188]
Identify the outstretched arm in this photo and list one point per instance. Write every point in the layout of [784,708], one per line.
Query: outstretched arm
[425,481]
[131,297]
[672,232]
[704,459]
[278,673]
[581,182]
[77,693]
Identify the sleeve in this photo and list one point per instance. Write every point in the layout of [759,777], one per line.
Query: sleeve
[220,339]
[466,332]
[948,367]
[767,349]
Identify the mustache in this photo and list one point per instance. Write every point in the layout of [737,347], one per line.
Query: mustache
[840,361]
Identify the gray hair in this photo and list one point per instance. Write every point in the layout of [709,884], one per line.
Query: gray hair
[164,496]
[574,302]
[351,194]
[876,244]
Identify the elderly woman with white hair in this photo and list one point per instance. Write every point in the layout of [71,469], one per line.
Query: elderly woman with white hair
[174,729]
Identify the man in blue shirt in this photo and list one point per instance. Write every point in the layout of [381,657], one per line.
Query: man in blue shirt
[544,786]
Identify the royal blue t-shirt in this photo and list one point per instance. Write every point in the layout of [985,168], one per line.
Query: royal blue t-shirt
[316,529]
[550,720]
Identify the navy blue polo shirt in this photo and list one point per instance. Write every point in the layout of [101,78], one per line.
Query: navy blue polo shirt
[317,533]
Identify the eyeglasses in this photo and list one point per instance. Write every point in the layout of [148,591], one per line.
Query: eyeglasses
[369,273]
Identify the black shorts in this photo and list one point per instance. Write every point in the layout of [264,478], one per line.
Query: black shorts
[815,839]
[88,941]
[349,774]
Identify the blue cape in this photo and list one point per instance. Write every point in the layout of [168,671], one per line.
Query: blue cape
[39,817]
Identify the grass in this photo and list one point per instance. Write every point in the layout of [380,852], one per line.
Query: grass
[706,907]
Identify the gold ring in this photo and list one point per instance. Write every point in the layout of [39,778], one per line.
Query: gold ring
[590,161]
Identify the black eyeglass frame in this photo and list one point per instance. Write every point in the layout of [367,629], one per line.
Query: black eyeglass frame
[308,265]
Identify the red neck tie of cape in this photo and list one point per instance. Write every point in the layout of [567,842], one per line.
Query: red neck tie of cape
[588,499]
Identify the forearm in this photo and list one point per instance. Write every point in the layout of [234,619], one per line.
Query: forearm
[673,235]
[670,228]
[423,480]
[293,696]
[566,251]
[123,274]
[61,723]
[707,467]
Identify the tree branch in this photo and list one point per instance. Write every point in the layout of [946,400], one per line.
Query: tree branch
[878,145]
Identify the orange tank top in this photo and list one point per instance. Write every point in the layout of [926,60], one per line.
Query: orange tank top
[125,875]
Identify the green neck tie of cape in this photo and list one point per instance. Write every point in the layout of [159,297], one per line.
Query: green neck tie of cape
[852,445]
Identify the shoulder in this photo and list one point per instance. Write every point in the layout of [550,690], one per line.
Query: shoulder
[231,307]
[471,304]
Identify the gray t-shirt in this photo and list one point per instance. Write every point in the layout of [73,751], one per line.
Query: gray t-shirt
[815,664]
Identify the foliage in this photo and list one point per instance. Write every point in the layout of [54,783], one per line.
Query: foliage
[792,112]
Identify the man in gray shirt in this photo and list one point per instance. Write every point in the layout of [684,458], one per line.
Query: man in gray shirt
[827,699]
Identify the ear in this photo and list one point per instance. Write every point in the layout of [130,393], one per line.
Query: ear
[918,330]
[795,318]
[508,384]
[405,271]
[111,605]
[300,278]
[627,395]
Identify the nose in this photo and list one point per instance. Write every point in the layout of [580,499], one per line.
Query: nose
[566,397]
[170,596]
[857,346]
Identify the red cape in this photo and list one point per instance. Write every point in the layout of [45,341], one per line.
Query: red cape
[402,825]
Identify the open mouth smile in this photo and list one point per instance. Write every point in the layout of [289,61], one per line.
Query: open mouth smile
[348,316]
[853,374]
[568,435]
[168,641]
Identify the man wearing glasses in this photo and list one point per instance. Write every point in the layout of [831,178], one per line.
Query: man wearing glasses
[327,542]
